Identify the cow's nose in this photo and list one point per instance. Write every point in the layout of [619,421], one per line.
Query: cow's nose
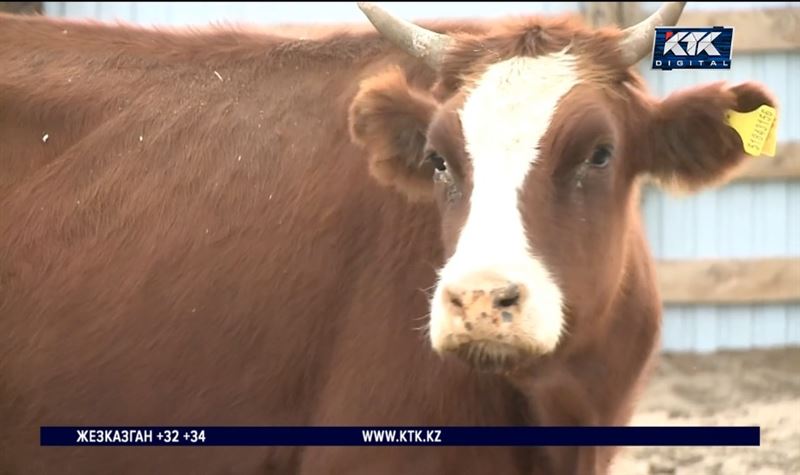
[483,321]
[496,319]
[485,306]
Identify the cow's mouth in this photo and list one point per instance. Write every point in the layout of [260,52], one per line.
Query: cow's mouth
[490,356]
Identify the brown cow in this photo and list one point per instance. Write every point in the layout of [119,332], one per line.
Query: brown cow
[190,236]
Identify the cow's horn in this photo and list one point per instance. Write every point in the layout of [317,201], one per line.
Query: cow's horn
[424,44]
[638,39]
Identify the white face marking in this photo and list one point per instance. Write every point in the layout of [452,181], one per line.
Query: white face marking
[503,120]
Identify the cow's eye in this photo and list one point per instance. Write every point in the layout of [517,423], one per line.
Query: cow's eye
[437,161]
[601,156]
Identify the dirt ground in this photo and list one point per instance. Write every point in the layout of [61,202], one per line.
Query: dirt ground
[757,387]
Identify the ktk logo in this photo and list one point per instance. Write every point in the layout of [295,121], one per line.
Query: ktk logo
[696,43]
[692,48]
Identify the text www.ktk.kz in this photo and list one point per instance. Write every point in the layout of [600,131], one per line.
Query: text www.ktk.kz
[408,436]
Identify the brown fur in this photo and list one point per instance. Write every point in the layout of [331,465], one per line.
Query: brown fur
[151,276]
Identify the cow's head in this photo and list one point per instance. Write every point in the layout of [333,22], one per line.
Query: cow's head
[531,143]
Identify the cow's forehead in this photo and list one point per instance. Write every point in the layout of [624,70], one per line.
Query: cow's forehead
[504,116]
[508,109]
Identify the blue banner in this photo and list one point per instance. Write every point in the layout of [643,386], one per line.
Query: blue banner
[351,436]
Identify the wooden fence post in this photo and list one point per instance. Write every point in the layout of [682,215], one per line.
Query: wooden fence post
[22,7]
[599,14]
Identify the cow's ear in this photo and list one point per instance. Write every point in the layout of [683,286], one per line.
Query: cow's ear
[691,144]
[390,120]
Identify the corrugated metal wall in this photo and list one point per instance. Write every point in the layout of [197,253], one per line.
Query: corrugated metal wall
[741,220]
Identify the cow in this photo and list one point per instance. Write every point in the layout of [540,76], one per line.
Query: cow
[431,224]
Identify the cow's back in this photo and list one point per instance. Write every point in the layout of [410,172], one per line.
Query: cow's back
[183,251]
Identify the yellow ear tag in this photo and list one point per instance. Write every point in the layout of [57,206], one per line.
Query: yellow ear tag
[756,128]
[772,138]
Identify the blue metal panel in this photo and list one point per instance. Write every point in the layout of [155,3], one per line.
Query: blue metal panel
[793,325]
[152,13]
[793,220]
[705,337]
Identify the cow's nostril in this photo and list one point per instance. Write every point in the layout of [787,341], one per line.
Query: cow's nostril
[453,298]
[507,302]
[507,297]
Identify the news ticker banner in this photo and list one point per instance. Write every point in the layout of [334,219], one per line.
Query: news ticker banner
[395,436]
